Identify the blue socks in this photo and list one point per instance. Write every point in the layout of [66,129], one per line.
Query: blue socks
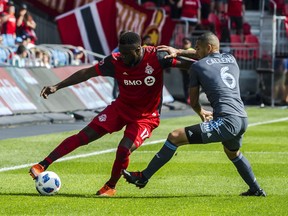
[160,159]
[245,170]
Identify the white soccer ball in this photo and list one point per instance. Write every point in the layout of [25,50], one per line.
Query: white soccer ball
[48,183]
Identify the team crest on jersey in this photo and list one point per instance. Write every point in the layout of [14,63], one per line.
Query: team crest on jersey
[149,69]
[149,80]
[102,117]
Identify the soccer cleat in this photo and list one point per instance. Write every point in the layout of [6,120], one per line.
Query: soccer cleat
[106,191]
[135,178]
[35,170]
[259,192]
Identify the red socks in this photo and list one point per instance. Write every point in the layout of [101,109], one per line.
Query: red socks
[67,146]
[121,162]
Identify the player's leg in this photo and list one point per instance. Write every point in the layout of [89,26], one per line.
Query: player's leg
[245,170]
[205,132]
[176,138]
[135,134]
[232,150]
[121,162]
[66,146]
[99,126]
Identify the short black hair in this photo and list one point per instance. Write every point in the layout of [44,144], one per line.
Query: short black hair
[21,49]
[209,38]
[130,38]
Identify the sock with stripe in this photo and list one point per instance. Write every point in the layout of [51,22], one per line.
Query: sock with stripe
[245,170]
[160,159]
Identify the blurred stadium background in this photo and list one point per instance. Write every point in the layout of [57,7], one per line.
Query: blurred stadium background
[75,34]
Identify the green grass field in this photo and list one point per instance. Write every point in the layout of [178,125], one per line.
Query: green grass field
[199,180]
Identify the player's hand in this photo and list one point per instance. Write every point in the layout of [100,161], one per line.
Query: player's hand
[173,53]
[47,90]
[206,115]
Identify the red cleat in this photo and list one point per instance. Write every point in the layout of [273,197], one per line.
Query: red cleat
[35,170]
[106,191]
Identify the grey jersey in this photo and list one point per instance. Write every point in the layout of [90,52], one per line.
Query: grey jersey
[218,75]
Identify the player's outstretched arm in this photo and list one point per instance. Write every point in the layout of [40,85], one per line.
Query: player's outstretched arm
[78,77]
[173,52]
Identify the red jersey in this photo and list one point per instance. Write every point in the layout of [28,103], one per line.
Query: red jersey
[9,27]
[140,86]
[205,2]
[190,8]
[235,7]
[3,6]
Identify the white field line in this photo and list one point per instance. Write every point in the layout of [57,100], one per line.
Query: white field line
[4,169]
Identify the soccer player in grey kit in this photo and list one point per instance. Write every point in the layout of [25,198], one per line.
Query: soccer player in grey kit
[218,75]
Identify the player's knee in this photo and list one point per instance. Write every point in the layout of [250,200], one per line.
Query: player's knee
[231,154]
[176,137]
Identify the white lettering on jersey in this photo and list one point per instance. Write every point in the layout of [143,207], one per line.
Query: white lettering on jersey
[144,134]
[102,117]
[149,69]
[132,82]
[228,79]
[149,80]
[211,61]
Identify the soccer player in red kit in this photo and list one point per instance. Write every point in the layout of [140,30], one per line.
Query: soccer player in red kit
[139,73]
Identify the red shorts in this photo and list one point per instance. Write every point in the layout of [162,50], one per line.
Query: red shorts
[111,119]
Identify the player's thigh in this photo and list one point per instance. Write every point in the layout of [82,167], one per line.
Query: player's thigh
[207,132]
[219,130]
[237,127]
[107,121]
[194,134]
[140,130]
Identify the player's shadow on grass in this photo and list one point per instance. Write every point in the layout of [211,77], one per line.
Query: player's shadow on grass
[93,196]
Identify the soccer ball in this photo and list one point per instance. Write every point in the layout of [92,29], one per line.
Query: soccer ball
[48,183]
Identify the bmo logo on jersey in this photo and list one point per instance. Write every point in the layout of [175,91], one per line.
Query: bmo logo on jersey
[149,81]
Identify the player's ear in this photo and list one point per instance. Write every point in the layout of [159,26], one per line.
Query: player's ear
[209,48]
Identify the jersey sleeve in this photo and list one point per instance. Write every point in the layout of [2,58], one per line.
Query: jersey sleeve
[105,67]
[165,63]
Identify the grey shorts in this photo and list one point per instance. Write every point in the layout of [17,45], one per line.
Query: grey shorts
[228,129]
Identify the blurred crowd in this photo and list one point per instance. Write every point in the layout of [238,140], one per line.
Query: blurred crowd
[18,40]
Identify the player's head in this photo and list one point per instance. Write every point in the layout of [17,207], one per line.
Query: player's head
[206,44]
[130,48]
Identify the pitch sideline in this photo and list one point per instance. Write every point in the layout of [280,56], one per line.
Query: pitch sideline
[4,169]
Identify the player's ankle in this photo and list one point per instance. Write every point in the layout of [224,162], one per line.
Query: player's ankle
[45,164]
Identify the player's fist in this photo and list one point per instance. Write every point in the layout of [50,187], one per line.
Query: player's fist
[47,90]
